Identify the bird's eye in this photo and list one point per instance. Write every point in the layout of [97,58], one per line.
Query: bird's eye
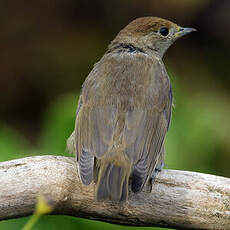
[164,31]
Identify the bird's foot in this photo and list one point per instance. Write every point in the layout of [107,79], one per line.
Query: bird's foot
[153,177]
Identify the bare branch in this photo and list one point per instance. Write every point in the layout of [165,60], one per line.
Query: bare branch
[179,199]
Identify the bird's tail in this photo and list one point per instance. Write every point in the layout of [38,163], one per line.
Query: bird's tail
[113,182]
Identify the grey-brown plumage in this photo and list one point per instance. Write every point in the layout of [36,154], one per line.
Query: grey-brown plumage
[124,110]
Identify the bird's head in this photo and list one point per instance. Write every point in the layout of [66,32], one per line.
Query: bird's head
[152,33]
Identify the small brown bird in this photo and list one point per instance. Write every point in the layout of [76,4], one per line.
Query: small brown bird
[124,110]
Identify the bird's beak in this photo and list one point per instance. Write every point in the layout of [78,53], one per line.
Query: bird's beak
[183,31]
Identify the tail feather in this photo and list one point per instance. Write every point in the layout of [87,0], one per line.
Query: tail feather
[124,194]
[113,183]
[102,192]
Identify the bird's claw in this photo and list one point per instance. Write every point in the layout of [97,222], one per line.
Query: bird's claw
[153,177]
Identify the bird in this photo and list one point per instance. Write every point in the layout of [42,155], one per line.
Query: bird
[124,110]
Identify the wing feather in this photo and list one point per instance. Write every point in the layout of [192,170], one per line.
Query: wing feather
[144,149]
[94,126]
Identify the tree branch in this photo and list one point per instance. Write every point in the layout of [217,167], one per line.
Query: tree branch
[179,199]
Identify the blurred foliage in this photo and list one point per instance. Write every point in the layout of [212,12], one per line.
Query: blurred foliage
[12,144]
[66,222]
[58,124]
[42,207]
[198,137]
[46,57]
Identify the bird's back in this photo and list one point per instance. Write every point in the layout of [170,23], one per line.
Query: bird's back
[121,123]
[128,79]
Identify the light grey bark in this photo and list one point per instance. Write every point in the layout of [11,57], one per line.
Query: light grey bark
[179,199]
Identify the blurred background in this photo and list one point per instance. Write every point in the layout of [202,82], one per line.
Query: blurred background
[48,47]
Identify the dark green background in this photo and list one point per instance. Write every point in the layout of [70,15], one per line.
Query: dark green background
[49,47]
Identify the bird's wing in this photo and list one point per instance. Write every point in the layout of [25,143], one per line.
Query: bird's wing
[146,128]
[94,129]
[93,133]
[144,141]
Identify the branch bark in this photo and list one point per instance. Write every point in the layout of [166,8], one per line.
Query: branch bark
[179,199]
